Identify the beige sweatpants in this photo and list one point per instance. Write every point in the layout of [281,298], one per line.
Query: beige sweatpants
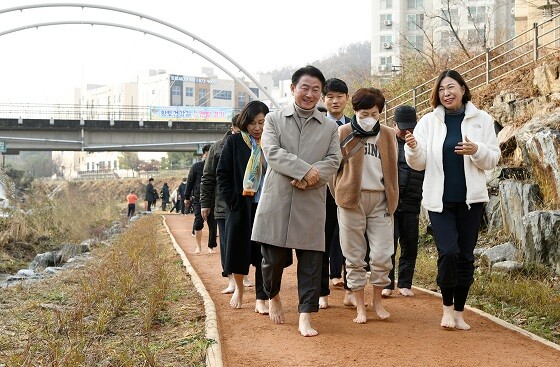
[370,217]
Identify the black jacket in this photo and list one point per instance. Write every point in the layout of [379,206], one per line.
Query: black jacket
[165,193]
[410,184]
[209,194]
[193,181]
[231,169]
[150,193]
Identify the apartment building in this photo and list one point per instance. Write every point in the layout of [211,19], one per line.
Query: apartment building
[416,27]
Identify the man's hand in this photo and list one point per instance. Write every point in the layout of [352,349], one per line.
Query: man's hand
[187,203]
[299,184]
[205,212]
[312,176]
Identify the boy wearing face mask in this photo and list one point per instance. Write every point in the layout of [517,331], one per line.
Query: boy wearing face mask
[366,192]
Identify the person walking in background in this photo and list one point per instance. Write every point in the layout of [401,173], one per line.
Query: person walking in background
[302,151]
[181,196]
[335,98]
[212,203]
[150,194]
[240,173]
[164,196]
[131,200]
[454,144]
[192,190]
[366,192]
[407,216]
[174,201]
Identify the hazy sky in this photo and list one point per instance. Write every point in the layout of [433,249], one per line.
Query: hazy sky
[260,35]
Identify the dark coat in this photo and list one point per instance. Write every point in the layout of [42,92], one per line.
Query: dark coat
[193,181]
[209,195]
[410,184]
[150,192]
[240,251]
[165,193]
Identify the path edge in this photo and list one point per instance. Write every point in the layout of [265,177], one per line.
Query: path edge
[499,321]
[214,351]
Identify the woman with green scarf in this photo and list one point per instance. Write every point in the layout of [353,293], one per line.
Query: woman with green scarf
[240,173]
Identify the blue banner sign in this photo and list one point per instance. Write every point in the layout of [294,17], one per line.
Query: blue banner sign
[189,113]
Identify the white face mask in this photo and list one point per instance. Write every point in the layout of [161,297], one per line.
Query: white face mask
[366,123]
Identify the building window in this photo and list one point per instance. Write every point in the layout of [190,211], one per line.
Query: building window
[414,22]
[386,4]
[115,164]
[241,100]
[176,90]
[415,4]
[385,42]
[449,16]
[385,21]
[221,94]
[202,97]
[255,91]
[189,92]
[416,41]
[386,63]
[477,14]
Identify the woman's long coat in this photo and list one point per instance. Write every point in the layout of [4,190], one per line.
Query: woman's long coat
[240,252]
[287,216]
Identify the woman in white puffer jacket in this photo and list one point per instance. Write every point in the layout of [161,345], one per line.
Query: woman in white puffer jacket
[454,144]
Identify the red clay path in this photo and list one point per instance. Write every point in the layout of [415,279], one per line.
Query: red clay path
[411,337]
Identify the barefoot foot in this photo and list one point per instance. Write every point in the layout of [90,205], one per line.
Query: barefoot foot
[406,292]
[378,305]
[305,327]
[460,322]
[324,302]
[448,318]
[386,293]
[260,307]
[197,250]
[361,316]
[247,282]
[237,298]
[231,286]
[210,250]
[349,299]
[276,312]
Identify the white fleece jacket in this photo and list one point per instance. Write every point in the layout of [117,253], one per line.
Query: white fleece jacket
[430,133]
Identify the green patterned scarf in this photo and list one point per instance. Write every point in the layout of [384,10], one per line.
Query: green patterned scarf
[253,171]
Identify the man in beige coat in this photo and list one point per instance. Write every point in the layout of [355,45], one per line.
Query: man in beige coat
[302,150]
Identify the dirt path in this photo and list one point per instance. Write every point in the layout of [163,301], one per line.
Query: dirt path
[411,337]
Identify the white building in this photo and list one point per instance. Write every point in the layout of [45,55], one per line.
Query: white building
[155,88]
[401,26]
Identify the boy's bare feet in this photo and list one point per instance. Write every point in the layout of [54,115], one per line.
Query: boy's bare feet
[361,317]
[448,318]
[276,312]
[377,305]
[406,292]
[305,327]
[324,302]
[460,322]
[349,299]
[260,307]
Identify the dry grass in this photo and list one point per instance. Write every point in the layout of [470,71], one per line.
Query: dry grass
[132,305]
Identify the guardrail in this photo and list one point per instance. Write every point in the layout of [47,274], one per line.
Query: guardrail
[492,65]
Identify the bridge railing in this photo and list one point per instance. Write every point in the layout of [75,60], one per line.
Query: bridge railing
[536,43]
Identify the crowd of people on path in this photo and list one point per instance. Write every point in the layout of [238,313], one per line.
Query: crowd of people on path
[342,193]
